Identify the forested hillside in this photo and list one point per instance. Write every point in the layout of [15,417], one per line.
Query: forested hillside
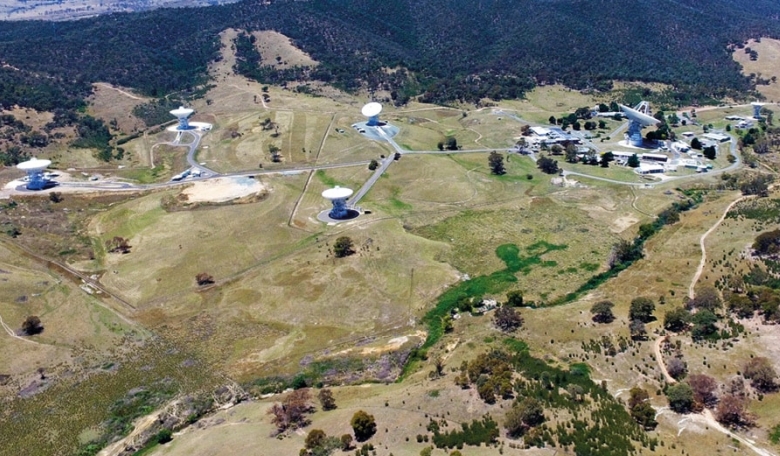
[453,50]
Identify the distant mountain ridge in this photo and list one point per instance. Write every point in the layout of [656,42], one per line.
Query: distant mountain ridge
[453,50]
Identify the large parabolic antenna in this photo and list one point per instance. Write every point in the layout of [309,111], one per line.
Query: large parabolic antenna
[638,120]
[182,114]
[34,169]
[372,110]
[757,105]
[338,196]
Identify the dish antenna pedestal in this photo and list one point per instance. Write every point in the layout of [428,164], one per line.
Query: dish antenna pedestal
[372,110]
[34,169]
[338,196]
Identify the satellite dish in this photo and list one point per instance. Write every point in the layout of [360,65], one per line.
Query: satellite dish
[371,109]
[34,165]
[337,193]
[638,117]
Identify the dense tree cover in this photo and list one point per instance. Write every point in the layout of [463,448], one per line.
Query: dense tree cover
[464,52]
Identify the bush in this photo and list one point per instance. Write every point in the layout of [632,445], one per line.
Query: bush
[164,436]
[32,325]
[343,247]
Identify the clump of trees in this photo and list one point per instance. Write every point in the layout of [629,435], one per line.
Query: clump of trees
[760,371]
[32,325]
[641,410]
[547,165]
[318,443]
[524,415]
[292,412]
[602,312]
[343,247]
[363,425]
[327,401]
[496,163]
[118,244]
[507,319]
[767,243]
[478,432]
[491,372]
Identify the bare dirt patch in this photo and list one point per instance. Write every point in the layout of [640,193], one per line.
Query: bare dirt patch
[223,189]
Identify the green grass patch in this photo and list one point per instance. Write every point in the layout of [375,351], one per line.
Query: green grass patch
[774,435]
[327,180]
[479,286]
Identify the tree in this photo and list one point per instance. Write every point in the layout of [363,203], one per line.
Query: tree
[164,436]
[680,397]
[633,161]
[291,412]
[55,197]
[363,425]
[637,330]
[571,153]
[373,165]
[451,143]
[496,162]
[761,372]
[118,245]
[522,416]
[326,399]
[276,157]
[315,438]
[525,130]
[547,165]
[514,299]
[696,144]
[732,411]
[704,388]
[677,319]
[552,120]
[556,149]
[706,298]
[710,152]
[677,368]
[343,247]
[641,309]
[203,278]
[507,319]
[32,325]
[703,324]
[624,252]
[346,442]
[602,312]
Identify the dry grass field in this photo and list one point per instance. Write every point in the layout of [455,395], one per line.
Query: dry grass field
[281,301]
[766,65]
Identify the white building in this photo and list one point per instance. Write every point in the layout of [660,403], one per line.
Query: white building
[717,137]
[648,168]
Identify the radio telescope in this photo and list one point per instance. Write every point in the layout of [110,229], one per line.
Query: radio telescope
[182,114]
[34,169]
[637,120]
[757,105]
[372,110]
[338,196]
